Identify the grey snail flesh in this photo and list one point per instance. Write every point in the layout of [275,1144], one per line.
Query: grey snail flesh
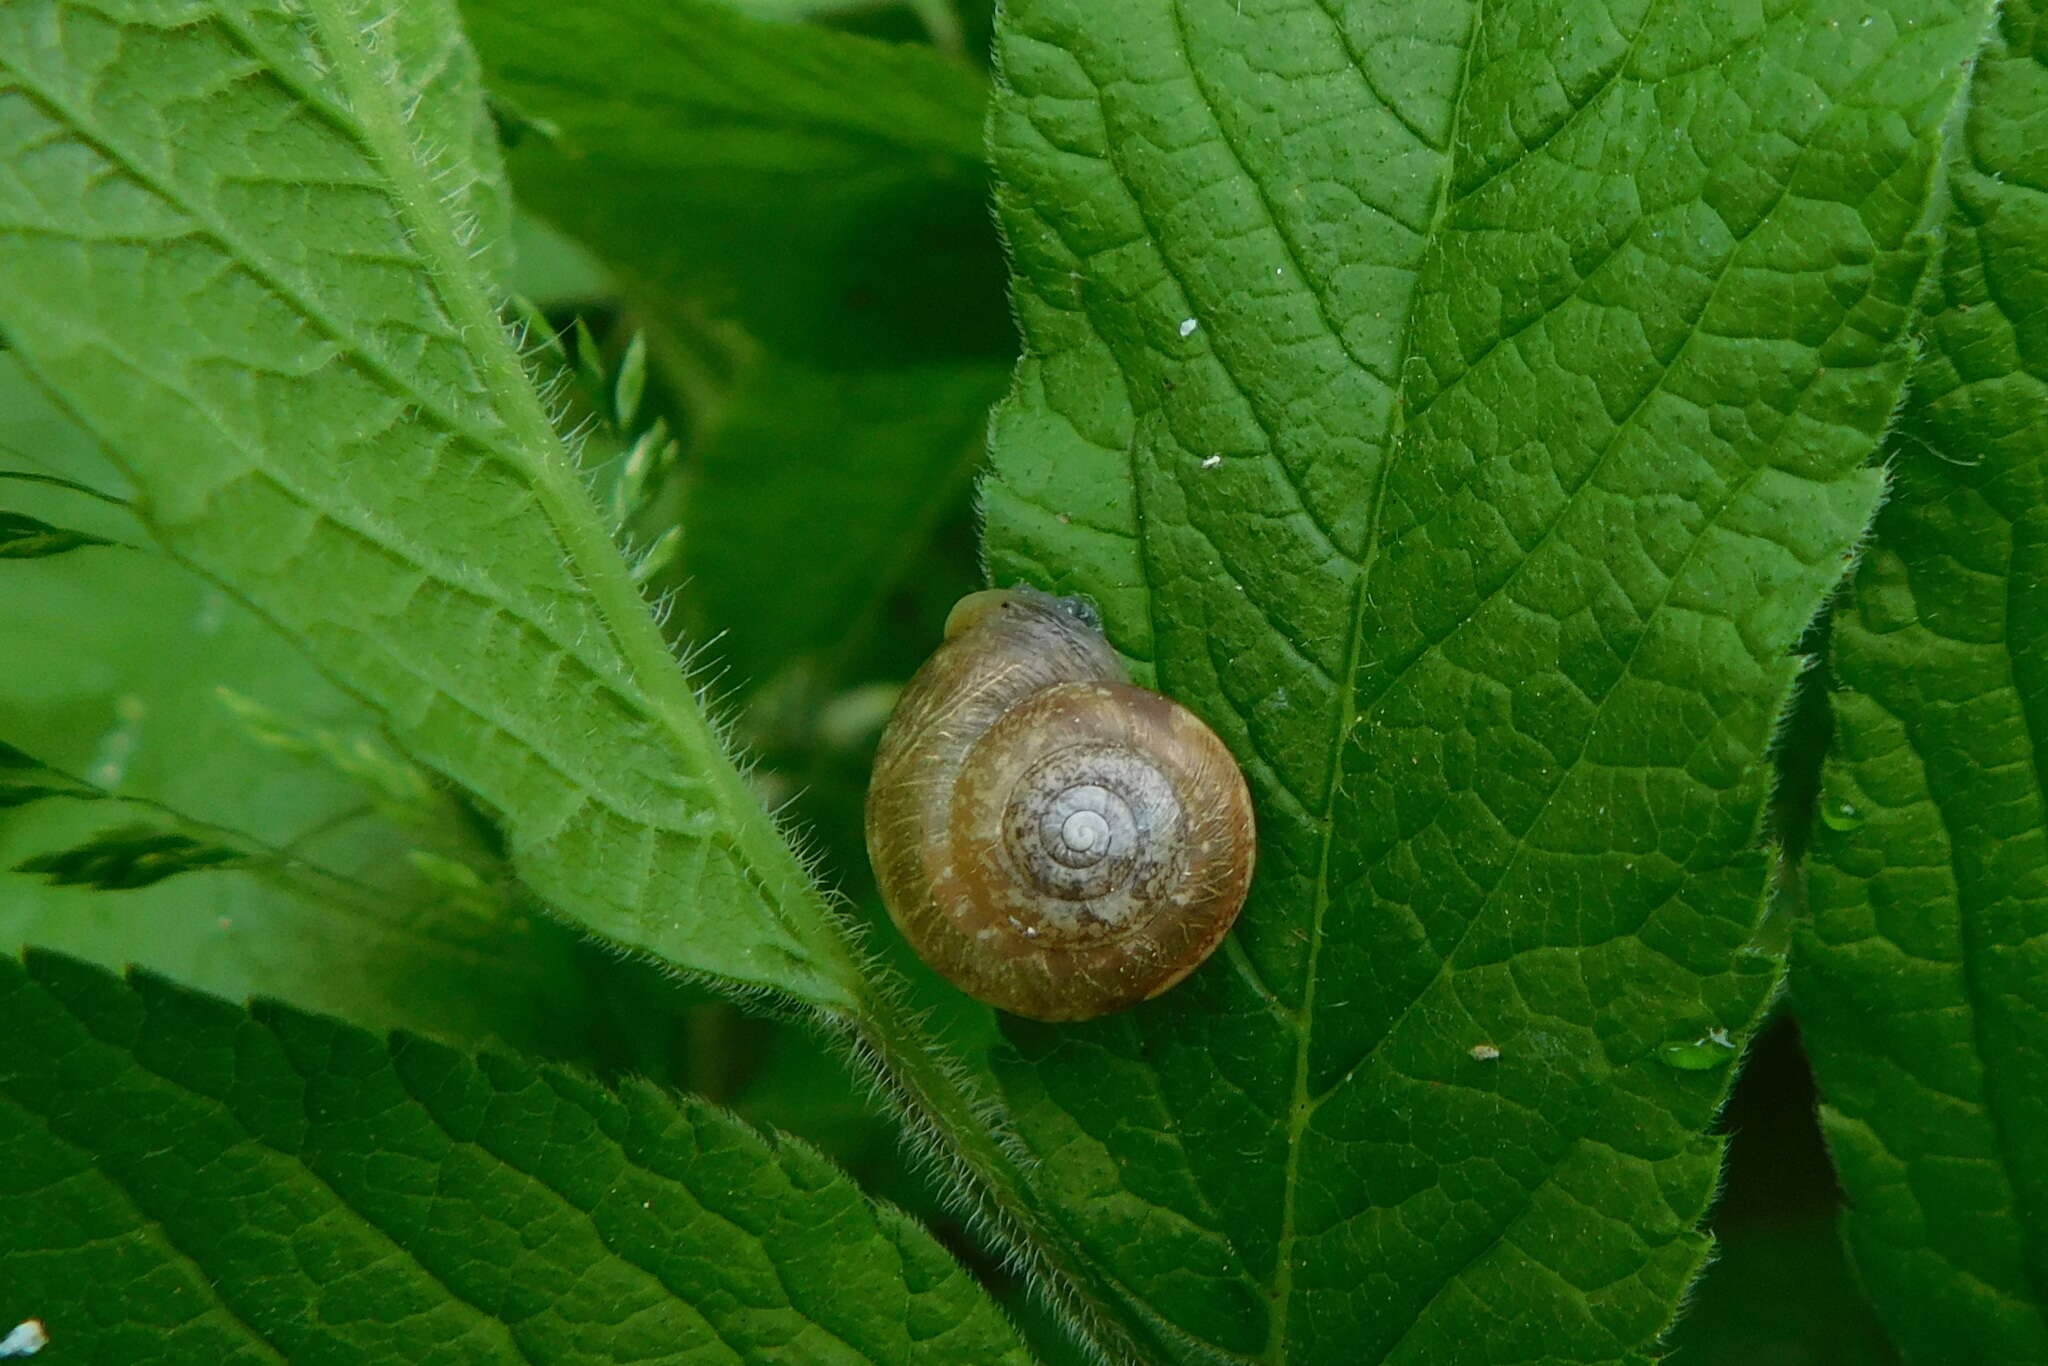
[1052,839]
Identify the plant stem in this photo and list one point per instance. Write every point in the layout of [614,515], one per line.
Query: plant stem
[986,1172]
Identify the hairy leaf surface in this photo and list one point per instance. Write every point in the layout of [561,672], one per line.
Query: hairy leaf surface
[1922,979]
[1464,407]
[233,238]
[190,1182]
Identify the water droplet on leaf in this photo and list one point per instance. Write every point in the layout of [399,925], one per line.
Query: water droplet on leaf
[1841,815]
[1710,1050]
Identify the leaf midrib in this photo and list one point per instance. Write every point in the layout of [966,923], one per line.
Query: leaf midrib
[1301,1108]
[1303,1104]
[260,266]
[789,895]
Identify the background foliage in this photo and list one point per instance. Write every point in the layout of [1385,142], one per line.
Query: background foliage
[1480,413]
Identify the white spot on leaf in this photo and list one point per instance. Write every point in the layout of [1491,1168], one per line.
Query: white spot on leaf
[26,1340]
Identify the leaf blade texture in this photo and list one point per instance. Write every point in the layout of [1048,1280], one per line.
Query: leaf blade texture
[289,343]
[1920,976]
[334,1193]
[1464,410]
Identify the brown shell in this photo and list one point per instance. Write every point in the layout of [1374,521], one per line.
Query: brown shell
[1054,840]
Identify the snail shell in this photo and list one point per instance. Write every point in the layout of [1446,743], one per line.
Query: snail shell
[1054,840]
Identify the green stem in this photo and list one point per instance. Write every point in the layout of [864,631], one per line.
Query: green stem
[986,1171]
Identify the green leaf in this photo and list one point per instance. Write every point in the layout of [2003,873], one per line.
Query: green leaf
[1464,409]
[790,11]
[825,190]
[24,779]
[130,856]
[190,1182]
[1922,978]
[23,537]
[50,480]
[288,345]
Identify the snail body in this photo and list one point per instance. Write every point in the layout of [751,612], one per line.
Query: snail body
[1051,838]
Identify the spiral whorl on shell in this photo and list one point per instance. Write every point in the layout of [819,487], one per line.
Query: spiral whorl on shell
[1054,840]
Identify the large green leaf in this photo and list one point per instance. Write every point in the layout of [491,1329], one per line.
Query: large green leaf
[189,1182]
[232,239]
[1922,982]
[1464,408]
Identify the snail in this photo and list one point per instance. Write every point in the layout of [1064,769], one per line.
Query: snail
[1051,838]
